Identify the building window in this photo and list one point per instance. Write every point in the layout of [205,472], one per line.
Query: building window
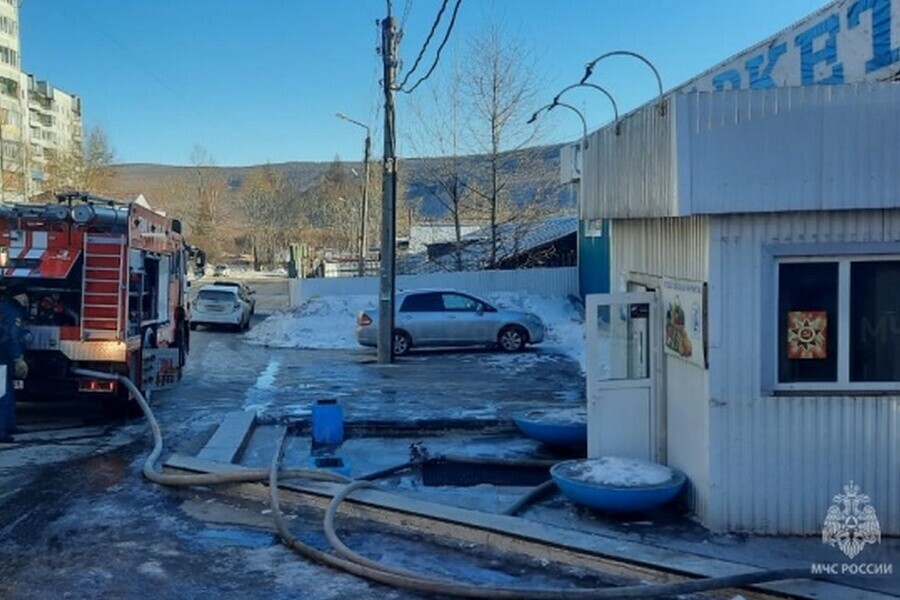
[8,25]
[807,302]
[874,321]
[9,56]
[9,87]
[838,323]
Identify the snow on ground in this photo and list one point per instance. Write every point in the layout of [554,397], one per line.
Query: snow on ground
[330,322]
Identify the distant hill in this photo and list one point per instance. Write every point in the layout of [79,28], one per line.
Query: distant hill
[174,189]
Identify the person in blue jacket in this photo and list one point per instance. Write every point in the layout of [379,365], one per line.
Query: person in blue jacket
[12,353]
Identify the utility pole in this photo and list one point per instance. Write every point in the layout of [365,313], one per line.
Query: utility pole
[388,188]
[363,242]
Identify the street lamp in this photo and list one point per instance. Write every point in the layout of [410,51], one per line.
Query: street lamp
[589,69]
[554,104]
[363,243]
[584,144]
[599,89]
[584,138]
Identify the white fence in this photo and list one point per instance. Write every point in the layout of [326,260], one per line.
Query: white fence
[558,281]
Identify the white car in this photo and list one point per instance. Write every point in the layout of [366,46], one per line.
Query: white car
[220,305]
[244,290]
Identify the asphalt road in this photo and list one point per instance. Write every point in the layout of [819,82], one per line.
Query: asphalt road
[78,520]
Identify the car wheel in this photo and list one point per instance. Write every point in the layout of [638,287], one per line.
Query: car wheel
[512,339]
[402,343]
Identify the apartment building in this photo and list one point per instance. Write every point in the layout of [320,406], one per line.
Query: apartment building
[38,122]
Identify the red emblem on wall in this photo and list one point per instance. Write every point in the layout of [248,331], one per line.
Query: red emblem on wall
[807,334]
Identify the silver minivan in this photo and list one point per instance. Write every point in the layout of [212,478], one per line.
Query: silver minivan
[435,318]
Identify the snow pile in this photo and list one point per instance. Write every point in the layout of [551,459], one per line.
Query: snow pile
[330,322]
[320,322]
[621,472]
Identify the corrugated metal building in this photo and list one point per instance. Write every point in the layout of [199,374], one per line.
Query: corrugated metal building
[776,376]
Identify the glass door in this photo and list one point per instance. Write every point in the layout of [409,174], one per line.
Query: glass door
[622,361]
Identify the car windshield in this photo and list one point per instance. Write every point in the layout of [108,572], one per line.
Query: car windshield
[220,295]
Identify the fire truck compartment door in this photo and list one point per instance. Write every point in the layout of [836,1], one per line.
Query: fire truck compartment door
[159,368]
[37,254]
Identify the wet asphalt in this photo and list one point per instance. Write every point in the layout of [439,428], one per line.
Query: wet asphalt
[77,519]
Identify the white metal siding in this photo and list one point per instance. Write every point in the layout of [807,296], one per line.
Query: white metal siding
[671,247]
[812,148]
[677,248]
[777,461]
[759,150]
[631,174]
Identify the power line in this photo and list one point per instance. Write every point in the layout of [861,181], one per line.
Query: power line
[406,8]
[437,56]
[434,26]
[126,51]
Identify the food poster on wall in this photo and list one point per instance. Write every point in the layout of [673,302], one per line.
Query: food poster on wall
[684,322]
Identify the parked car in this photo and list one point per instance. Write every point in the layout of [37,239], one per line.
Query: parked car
[220,305]
[221,271]
[429,318]
[244,290]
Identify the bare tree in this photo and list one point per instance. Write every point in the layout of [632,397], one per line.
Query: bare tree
[487,169]
[266,204]
[98,159]
[500,85]
[209,190]
[447,173]
[88,167]
[336,207]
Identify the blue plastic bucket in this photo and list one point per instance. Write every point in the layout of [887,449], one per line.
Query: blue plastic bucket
[327,423]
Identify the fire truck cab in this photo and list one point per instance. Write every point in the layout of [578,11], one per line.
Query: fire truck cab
[107,291]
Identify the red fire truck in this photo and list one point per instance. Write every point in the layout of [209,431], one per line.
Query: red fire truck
[108,292]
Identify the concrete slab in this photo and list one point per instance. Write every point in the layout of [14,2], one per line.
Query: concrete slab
[230,438]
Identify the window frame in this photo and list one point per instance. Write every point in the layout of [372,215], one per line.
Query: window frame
[844,255]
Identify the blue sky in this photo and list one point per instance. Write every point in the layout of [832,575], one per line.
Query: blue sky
[260,81]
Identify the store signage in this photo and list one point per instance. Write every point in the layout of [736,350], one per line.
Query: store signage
[850,41]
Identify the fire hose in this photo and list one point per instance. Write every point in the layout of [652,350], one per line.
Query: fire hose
[351,562]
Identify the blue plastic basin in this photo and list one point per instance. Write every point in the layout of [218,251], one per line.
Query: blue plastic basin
[614,499]
[540,425]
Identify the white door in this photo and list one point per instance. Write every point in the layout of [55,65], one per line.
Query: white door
[623,345]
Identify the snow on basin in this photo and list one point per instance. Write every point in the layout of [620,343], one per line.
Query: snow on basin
[555,426]
[617,484]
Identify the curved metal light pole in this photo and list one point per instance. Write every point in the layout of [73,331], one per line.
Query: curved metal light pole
[589,69]
[364,209]
[598,88]
[584,145]
[554,104]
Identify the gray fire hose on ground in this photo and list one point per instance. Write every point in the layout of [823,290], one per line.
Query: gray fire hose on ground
[351,562]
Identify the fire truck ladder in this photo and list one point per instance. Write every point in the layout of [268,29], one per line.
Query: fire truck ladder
[102,288]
